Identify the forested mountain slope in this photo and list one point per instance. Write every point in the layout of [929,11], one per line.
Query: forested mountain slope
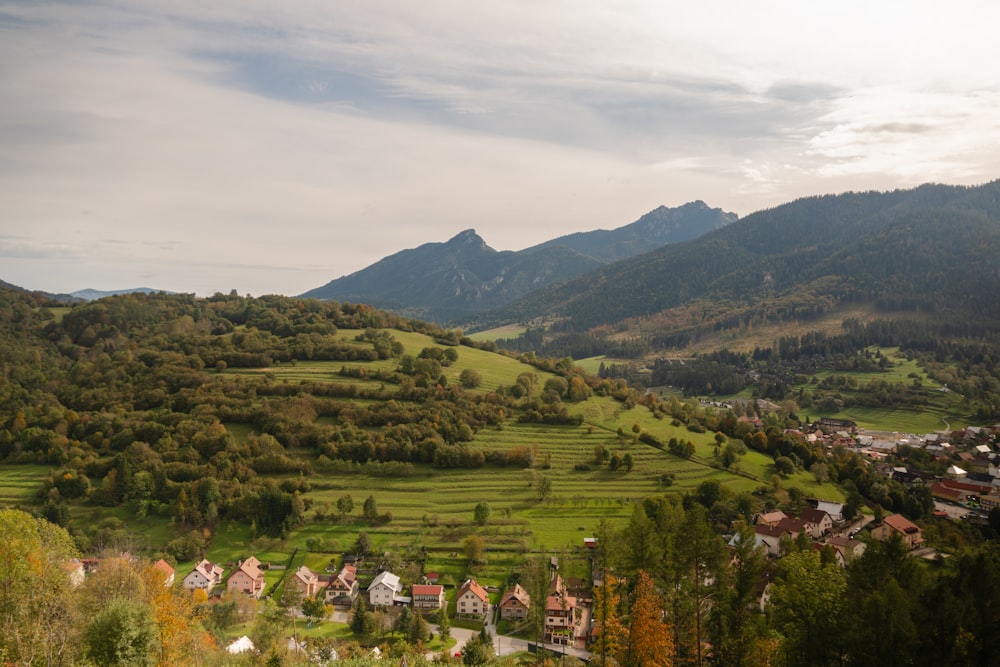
[931,250]
[446,282]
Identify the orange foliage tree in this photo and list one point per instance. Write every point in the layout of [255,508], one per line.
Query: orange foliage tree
[650,641]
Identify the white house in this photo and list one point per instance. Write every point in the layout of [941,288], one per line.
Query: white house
[205,575]
[384,589]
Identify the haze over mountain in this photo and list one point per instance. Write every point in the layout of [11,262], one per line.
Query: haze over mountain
[91,294]
[927,251]
[450,281]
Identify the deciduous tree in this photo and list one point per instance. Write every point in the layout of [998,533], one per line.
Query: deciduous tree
[650,641]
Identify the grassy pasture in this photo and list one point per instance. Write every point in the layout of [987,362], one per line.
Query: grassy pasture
[496,369]
[943,409]
[507,331]
[20,483]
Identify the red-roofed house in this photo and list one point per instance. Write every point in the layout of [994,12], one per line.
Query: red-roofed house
[472,600]
[167,570]
[563,616]
[306,581]
[343,589]
[248,578]
[205,576]
[514,604]
[897,523]
[427,596]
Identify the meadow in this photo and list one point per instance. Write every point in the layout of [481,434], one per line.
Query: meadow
[432,509]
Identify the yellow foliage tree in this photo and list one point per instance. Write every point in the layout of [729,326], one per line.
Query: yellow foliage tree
[650,642]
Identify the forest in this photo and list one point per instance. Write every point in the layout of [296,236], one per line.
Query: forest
[130,403]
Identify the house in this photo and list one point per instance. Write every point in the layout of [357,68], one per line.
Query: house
[899,524]
[343,589]
[942,492]
[168,572]
[306,581]
[563,616]
[432,578]
[769,518]
[590,542]
[75,571]
[817,522]
[205,576]
[514,604]
[835,510]
[849,548]
[247,578]
[427,596]
[384,590]
[472,600]
[770,537]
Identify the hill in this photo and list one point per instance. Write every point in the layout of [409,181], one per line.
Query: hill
[447,282]
[909,253]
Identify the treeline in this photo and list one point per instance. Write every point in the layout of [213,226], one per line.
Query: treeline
[721,602]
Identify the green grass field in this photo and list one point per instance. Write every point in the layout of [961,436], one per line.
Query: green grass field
[19,484]
[943,409]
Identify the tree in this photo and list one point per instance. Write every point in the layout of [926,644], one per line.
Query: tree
[820,471]
[358,612]
[535,579]
[417,629]
[477,651]
[784,465]
[314,608]
[402,622]
[123,633]
[475,547]
[807,605]
[370,510]
[543,487]
[345,505]
[699,558]
[470,378]
[363,544]
[734,632]
[650,641]
[482,513]
[37,622]
[611,635]
[628,462]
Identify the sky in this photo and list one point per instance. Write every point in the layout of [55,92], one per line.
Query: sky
[270,147]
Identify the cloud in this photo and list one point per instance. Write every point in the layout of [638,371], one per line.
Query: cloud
[217,143]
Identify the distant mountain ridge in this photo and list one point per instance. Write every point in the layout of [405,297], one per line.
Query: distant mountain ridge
[928,251]
[451,281]
[92,294]
[63,298]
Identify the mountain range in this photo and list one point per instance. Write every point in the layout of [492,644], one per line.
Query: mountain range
[452,281]
[928,253]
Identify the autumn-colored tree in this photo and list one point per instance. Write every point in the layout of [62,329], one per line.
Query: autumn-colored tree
[176,616]
[650,640]
[611,636]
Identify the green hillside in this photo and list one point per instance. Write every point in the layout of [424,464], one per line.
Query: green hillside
[246,420]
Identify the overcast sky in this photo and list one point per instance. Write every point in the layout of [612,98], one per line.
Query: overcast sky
[270,147]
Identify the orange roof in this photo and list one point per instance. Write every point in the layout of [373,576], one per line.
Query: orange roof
[164,567]
[472,586]
[427,589]
[902,524]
